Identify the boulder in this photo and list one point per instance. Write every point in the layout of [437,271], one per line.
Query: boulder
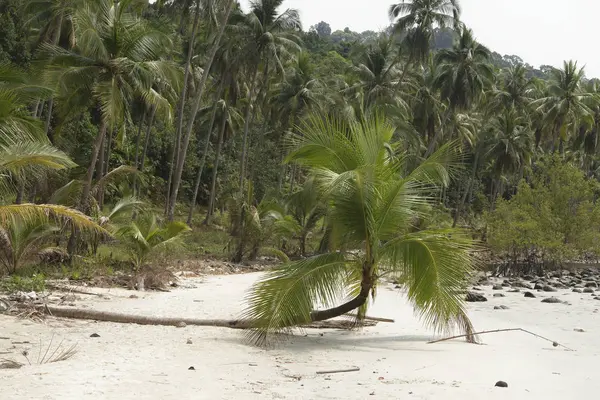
[588,290]
[501,384]
[576,290]
[501,308]
[497,287]
[552,300]
[499,295]
[475,297]
[548,288]
[529,294]
[591,284]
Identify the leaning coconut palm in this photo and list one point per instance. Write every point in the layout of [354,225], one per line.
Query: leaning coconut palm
[374,204]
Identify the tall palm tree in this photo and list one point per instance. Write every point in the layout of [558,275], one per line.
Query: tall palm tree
[185,137]
[117,57]
[463,74]
[564,105]
[416,20]
[515,90]
[374,204]
[268,37]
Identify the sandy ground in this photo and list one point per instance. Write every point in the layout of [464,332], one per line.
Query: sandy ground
[146,362]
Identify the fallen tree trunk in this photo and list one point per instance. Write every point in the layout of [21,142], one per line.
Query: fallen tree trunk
[106,316]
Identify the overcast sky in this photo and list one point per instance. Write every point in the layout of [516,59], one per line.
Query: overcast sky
[538,31]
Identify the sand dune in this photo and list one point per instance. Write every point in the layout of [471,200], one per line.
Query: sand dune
[147,362]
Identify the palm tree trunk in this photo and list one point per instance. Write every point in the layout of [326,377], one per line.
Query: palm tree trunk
[247,129]
[365,290]
[174,154]
[146,144]
[186,139]
[106,169]
[138,139]
[20,192]
[213,186]
[204,153]
[438,132]
[467,191]
[87,183]
[100,163]
[48,119]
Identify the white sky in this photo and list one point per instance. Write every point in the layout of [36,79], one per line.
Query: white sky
[538,31]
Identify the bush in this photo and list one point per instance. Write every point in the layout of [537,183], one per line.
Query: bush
[551,220]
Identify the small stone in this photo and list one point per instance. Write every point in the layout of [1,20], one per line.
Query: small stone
[538,286]
[579,330]
[476,288]
[576,290]
[94,335]
[514,291]
[475,297]
[499,295]
[552,300]
[398,287]
[134,296]
[497,287]
[555,344]
[189,341]
[191,369]
[181,324]
[548,288]
[529,294]
[596,298]
[501,384]
[588,290]
[501,307]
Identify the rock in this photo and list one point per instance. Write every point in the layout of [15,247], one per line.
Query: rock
[94,335]
[476,288]
[538,286]
[528,277]
[552,300]
[499,295]
[134,296]
[591,285]
[501,384]
[191,369]
[501,308]
[475,297]
[529,294]
[4,306]
[548,288]
[181,324]
[596,298]
[514,291]
[398,287]
[575,290]
[579,330]
[555,344]
[189,341]
[497,287]
[588,290]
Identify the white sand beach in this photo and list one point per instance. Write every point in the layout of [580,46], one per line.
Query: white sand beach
[151,362]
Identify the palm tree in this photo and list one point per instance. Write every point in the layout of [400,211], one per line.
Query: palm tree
[377,74]
[416,20]
[145,236]
[510,143]
[267,38]
[373,211]
[117,57]
[21,239]
[564,106]
[463,74]
[185,138]
[516,89]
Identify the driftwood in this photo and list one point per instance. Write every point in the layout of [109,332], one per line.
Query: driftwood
[76,313]
[554,343]
[337,371]
[377,319]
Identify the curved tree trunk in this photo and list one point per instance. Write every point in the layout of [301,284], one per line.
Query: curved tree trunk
[201,86]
